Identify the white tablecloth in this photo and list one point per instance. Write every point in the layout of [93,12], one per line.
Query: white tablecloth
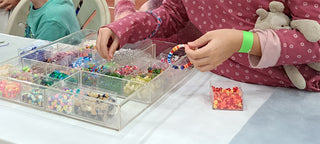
[181,116]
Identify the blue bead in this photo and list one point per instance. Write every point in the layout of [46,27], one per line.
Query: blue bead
[175,67]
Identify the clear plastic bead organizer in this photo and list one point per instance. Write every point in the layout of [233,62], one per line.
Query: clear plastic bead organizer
[68,77]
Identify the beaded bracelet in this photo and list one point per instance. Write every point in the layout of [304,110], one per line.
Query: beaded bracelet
[159,22]
[170,55]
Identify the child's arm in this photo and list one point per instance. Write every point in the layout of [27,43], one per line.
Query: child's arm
[140,25]
[8,4]
[217,46]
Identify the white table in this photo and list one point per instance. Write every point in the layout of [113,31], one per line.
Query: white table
[15,42]
[183,116]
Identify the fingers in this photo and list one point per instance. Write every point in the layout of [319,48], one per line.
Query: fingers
[98,41]
[203,59]
[200,62]
[8,8]
[113,47]
[203,40]
[107,43]
[3,4]
[98,44]
[197,54]
[104,46]
[203,64]
[102,43]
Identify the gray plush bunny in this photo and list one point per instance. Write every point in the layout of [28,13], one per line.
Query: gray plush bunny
[276,19]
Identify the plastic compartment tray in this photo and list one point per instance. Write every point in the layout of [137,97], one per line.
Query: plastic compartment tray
[49,79]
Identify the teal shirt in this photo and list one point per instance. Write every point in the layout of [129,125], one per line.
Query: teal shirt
[55,19]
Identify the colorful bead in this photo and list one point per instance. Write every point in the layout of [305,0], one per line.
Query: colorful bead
[227,99]
[95,109]
[60,102]
[9,89]
[24,75]
[58,75]
[97,95]
[26,69]
[135,83]
[47,82]
[91,44]
[170,56]
[83,62]
[34,97]
[62,58]
[126,70]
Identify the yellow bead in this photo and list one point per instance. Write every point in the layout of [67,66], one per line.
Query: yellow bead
[215,106]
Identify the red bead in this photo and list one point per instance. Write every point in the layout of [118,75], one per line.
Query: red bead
[228,99]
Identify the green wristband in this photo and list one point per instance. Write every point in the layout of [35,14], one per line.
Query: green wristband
[247,42]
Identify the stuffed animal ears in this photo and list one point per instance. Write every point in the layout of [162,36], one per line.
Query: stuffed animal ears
[262,13]
[276,6]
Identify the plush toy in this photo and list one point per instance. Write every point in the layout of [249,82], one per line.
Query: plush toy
[276,19]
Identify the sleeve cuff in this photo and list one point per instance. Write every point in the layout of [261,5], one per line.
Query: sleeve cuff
[270,48]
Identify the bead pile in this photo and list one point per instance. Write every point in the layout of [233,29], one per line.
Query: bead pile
[24,76]
[9,89]
[58,75]
[91,44]
[38,55]
[97,95]
[63,58]
[102,69]
[54,77]
[82,62]
[60,102]
[154,71]
[85,53]
[126,70]
[95,109]
[89,79]
[34,97]
[47,81]
[135,83]
[227,99]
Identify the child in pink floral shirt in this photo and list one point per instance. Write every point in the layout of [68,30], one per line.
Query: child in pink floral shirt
[221,22]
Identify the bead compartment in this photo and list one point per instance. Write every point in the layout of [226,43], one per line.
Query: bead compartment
[226,95]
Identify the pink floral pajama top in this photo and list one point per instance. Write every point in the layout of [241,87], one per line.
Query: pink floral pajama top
[279,47]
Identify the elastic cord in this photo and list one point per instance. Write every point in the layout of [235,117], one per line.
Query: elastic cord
[170,55]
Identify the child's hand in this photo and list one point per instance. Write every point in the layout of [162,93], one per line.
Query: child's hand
[214,48]
[8,4]
[107,43]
